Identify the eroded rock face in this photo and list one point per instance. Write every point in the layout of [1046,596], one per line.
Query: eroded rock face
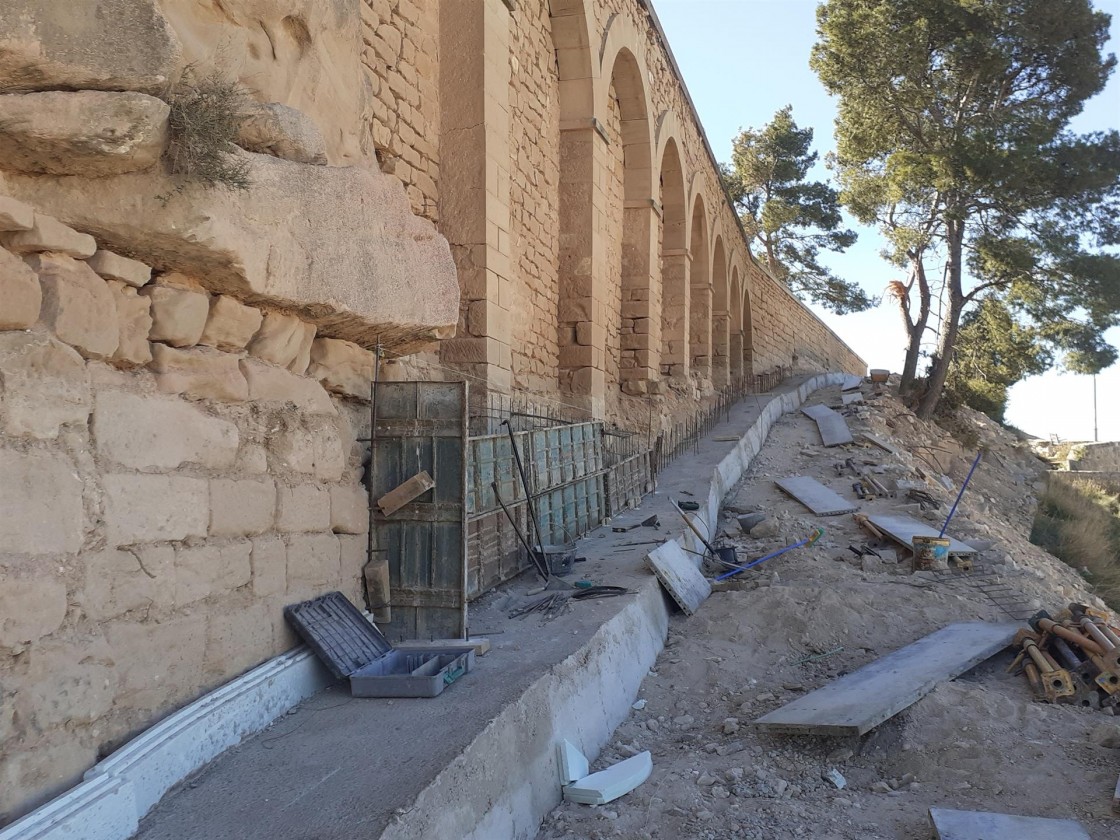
[92,44]
[283,132]
[92,133]
[340,247]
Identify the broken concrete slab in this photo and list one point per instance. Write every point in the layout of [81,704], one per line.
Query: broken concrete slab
[851,382]
[833,428]
[749,520]
[679,575]
[882,444]
[858,702]
[573,763]
[849,397]
[983,825]
[608,785]
[815,496]
[903,529]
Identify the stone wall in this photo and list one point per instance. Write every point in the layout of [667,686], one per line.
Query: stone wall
[1095,456]
[175,467]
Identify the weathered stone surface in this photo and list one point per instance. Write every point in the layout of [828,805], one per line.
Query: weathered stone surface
[48,234]
[32,605]
[338,246]
[154,508]
[349,509]
[15,215]
[241,508]
[313,564]
[305,507]
[283,132]
[160,433]
[178,316]
[353,555]
[157,660]
[90,133]
[309,445]
[237,639]
[134,322]
[207,570]
[306,335]
[115,583]
[41,496]
[67,683]
[204,374]
[45,385]
[278,340]
[268,384]
[20,295]
[95,44]
[115,267]
[342,367]
[77,305]
[269,559]
[231,324]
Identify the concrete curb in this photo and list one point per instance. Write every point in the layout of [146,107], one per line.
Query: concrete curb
[584,699]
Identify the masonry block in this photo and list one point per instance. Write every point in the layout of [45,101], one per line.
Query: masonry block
[349,509]
[311,446]
[15,215]
[156,660]
[237,639]
[134,322]
[353,556]
[230,324]
[269,560]
[240,508]
[313,564]
[154,508]
[20,295]
[279,339]
[116,582]
[32,605]
[178,315]
[77,305]
[203,374]
[305,507]
[115,267]
[206,570]
[45,385]
[48,234]
[41,497]
[270,384]
[342,366]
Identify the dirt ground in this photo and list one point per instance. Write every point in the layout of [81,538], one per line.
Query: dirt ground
[797,622]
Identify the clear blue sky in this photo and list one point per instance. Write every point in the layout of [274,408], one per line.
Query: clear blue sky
[743,60]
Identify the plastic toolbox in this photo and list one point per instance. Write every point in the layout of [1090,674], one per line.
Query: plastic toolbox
[352,647]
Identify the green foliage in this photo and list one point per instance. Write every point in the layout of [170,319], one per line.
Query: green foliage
[993,353]
[206,114]
[791,218]
[952,137]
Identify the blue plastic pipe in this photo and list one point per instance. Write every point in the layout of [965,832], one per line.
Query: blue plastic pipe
[960,494]
[816,535]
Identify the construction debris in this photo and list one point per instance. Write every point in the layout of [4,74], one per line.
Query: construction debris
[833,428]
[1073,660]
[405,492]
[982,825]
[815,496]
[608,785]
[679,575]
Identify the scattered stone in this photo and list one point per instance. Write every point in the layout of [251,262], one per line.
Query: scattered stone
[720,792]
[15,215]
[1106,735]
[134,322]
[706,780]
[766,528]
[20,292]
[342,367]
[638,705]
[178,315]
[115,267]
[45,385]
[840,755]
[652,724]
[203,374]
[780,787]
[881,787]
[89,133]
[730,726]
[683,721]
[230,324]
[628,751]
[729,748]
[766,697]
[77,305]
[283,132]
[749,520]
[49,234]
[835,777]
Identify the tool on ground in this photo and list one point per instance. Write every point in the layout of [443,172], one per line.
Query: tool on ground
[967,479]
[651,522]
[536,558]
[692,527]
[809,540]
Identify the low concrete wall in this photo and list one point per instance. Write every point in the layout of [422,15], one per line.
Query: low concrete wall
[1096,457]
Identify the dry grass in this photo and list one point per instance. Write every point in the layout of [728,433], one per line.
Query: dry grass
[1080,524]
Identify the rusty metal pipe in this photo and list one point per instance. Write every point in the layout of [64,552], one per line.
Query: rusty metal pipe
[1033,677]
[1041,660]
[1072,636]
[1110,634]
[1066,655]
[1094,632]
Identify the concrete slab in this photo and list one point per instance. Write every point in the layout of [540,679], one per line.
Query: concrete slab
[573,763]
[858,702]
[608,785]
[982,825]
[851,382]
[680,577]
[903,529]
[819,499]
[832,426]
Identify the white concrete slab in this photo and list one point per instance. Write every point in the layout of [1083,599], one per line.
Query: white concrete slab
[573,763]
[903,529]
[858,702]
[832,426]
[608,785]
[679,575]
[982,825]
[821,500]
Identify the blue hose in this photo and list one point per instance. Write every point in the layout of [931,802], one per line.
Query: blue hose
[960,494]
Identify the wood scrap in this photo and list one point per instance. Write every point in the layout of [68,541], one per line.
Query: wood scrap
[405,492]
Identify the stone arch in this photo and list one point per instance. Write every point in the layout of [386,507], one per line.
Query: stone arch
[674,263]
[700,294]
[721,316]
[736,325]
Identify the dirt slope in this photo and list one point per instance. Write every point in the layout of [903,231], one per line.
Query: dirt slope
[980,742]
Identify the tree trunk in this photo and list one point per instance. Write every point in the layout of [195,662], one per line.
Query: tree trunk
[915,330]
[950,326]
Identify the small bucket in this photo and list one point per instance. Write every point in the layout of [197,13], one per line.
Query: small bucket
[931,553]
[558,558]
[726,555]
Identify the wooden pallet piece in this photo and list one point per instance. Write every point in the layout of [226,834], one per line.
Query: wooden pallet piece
[858,702]
[984,825]
[903,529]
[679,575]
[405,492]
[833,428]
[821,500]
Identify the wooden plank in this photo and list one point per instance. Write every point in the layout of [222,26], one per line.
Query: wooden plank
[858,702]
[679,575]
[404,493]
[903,529]
[983,825]
[851,382]
[833,428]
[882,444]
[819,499]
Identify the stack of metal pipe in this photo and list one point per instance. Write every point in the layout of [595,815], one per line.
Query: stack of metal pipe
[1072,658]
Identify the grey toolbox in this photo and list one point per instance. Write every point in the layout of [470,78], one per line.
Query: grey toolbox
[352,647]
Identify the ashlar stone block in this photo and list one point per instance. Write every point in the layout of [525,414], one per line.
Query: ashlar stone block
[154,508]
[342,366]
[240,508]
[115,267]
[203,374]
[134,322]
[41,496]
[77,305]
[178,315]
[269,384]
[305,507]
[349,509]
[231,324]
[32,605]
[20,295]
[49,234]
[45,385]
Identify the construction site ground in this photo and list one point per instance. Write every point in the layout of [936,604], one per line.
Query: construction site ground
[795,623]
